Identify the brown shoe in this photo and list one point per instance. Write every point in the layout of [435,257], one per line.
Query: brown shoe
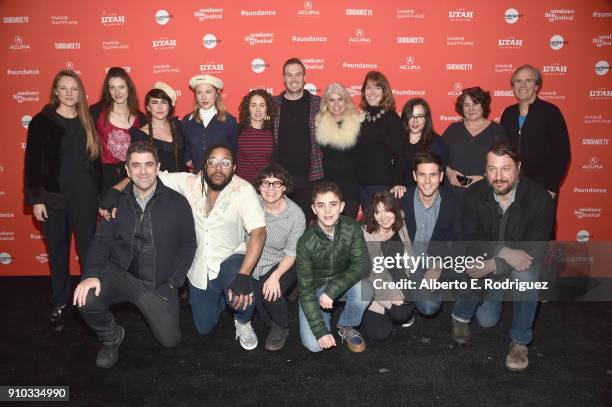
[516,359]
[461,332]
[352,338]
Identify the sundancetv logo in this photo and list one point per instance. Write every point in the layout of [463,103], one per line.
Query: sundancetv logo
[67,45]
[16,19]
[210,41]
[557,42]
[361,12]
[162,17]
[511,16]
[258,65]
[459,67]
[602,67]
[503,93]
[411,40]
[604,141]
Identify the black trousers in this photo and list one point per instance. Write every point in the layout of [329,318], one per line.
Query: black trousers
[302,195]
[79,214]
[379,326]
[112,174]
[160,307]
[274,311]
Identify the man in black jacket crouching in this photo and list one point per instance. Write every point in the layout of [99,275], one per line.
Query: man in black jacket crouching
[141,256]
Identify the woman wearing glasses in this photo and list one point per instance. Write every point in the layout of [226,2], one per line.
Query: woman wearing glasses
[275,274]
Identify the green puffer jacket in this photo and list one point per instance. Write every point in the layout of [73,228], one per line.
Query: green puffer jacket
[336,265]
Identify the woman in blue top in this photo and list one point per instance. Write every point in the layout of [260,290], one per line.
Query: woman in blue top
[209,123]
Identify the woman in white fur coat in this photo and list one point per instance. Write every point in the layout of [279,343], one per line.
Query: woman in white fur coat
[337,130]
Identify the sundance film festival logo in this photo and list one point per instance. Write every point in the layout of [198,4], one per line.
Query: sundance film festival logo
[410,65]
[308,38]
[602,67]
[25,121]
[600,94]
[593,164]
[595,141]
[112,20]
[163,44]
[410,40]
[210,13]
[409,13]
[5,258]
[554,70]
[456,91]
[459,67]
[460,15]
[452,41]
[362,12]
[308,10]
[210,41]
[16,19]
[510,43]
[164,68]
[7,236]
[360,38]
[557,42]
[162,17]
[588,213]
[259,38]
[25,96]
[314,63]
[511,16]
[22,72]
[604,40]
[258,65]
[560,15]
[67,45]
[63,20]
[503,93]
[18,44]
[211,67]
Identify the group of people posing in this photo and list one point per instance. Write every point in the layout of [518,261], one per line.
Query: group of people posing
[247,208]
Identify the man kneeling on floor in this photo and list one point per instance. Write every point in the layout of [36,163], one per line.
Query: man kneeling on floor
[332,264]
[141,256]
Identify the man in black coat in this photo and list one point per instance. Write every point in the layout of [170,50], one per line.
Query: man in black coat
[141,256]
[433,220]
[507,219]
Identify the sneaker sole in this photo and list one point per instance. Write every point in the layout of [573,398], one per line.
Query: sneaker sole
[246,347]
[356,349]
[516,370]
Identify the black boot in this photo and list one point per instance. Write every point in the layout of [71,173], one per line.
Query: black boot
[109,352]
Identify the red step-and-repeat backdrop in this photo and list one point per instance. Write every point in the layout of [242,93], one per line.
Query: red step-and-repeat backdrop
[427,49]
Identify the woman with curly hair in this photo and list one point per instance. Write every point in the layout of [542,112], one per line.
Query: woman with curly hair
[256,139]
[164,130]
[114,115]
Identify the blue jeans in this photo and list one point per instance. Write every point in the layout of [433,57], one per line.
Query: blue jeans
[488,309]
[208,304]
[357,299]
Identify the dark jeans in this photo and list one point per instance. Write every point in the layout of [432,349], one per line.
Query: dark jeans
[208,304]
[302,195]
[160,307]
[379,326]
[80,214]
[274,311]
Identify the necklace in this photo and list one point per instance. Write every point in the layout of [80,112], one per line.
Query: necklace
[378,115]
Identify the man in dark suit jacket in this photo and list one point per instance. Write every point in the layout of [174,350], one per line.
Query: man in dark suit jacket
[507,219]
[433,220]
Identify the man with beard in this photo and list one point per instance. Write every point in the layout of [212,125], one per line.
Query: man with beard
[226,210]
[507,219]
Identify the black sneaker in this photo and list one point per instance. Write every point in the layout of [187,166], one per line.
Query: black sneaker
[276,338]
[352,338]
[57,313]
[109,352]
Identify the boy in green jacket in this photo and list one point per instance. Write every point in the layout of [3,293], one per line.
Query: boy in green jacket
[332,265]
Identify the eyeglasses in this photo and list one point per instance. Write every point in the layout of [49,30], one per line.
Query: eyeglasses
[223,162]
[417,117]
[275,184]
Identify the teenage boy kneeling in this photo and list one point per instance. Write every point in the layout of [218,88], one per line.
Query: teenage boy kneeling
[332,265]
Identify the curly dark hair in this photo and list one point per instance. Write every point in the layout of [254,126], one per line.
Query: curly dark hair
[244,116]
[391,204]
[275,170]
[478,96]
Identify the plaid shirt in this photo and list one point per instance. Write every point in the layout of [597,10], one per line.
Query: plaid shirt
[316,157]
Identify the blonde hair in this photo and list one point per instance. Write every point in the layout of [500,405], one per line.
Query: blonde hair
[219,105]
[338,89]
[93,141]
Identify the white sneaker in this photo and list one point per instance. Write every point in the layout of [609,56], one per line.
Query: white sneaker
[248,338]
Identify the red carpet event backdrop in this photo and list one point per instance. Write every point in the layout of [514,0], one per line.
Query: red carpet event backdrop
[426,49]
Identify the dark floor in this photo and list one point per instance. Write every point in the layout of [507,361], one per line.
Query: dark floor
[570,362]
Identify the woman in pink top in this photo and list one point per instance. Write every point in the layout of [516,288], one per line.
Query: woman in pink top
[114,115]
